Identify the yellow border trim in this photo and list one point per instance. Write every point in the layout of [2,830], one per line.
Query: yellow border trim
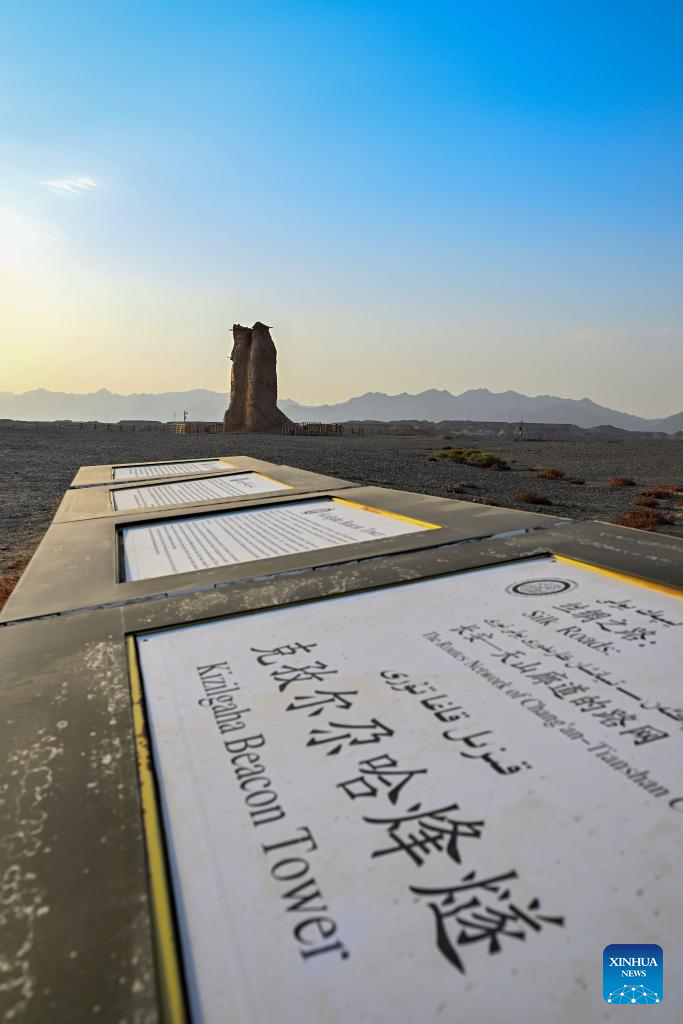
[625,577]
[390,515]
[171,990]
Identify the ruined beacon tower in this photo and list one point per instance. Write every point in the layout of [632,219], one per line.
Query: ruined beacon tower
[253,382]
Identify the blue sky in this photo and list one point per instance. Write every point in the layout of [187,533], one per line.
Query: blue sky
[414,195]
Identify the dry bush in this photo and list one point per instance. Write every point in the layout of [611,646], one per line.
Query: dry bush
[643,518]
[647,502]
[577,481]
[8,581]
[531,498]
[623,481]
[661,491]
[551,473]
[470,457]
[452,488]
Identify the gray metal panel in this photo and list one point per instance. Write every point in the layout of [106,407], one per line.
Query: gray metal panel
[77,564]
[657,560]
[95,502]
[77,931]
[649,556]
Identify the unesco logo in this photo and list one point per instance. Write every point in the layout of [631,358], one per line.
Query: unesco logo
[540,588]
[633,973]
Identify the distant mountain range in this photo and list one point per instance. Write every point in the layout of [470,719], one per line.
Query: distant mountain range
[478,404]
[434,405]
[107,407]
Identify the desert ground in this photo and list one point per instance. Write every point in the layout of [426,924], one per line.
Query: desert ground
[39,463]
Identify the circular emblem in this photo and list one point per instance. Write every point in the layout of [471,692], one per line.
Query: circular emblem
[540,588]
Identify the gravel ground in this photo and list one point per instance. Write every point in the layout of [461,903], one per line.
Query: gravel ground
[39,463]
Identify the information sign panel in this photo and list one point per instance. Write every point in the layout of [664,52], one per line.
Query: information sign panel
[189,491]
[156,469]
[196,542]
[446,794]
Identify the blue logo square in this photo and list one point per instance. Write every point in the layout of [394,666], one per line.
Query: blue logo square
[633,973]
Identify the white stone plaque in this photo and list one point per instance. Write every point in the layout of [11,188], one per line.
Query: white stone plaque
[229,538]
[187,491]
[434,802]
[156,469]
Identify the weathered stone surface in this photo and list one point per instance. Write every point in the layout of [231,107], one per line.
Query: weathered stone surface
[241,342]
[253,384]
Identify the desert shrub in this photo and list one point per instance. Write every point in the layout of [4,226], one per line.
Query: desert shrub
[647,502]
[487,461]
[452,488]
[461,454]
[551,473]
[577,481]
[623,481]
[473,457]
[661,491]
[470,457]
[531,498]
[643,518]
[8,581]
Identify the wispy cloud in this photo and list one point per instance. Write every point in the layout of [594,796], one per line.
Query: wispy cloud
[69,186]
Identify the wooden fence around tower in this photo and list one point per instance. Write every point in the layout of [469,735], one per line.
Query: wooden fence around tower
[313,428]
[198,428]
[325,429]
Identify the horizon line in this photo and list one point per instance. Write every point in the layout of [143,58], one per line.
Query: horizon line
[383,394]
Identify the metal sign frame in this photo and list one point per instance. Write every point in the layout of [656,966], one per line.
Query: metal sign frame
[78,564]
[96,502]
[85,795]
[97,476]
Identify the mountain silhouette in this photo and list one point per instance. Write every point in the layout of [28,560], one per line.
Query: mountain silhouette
[433,405]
